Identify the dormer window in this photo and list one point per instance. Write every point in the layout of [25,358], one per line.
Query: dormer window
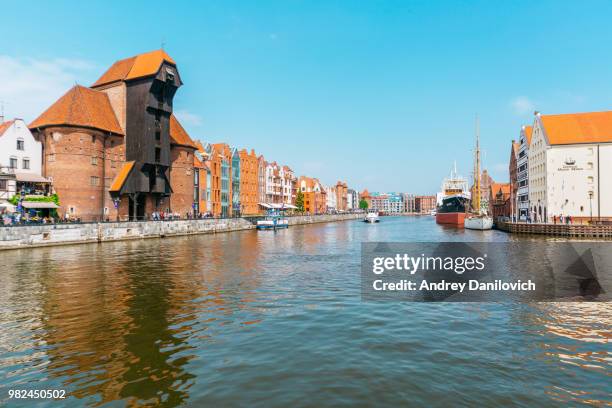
[20,144]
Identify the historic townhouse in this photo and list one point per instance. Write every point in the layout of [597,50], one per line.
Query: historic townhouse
[341,193]
[288,186]
[499,199]
[20,163]
[331,197]
[249,178]
[115,149]
[570,166]
[315,200]
[513,171]
[522,174]
[220,156]
[262,164]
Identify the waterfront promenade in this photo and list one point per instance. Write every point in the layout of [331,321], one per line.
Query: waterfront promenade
[81,233]
[559,230]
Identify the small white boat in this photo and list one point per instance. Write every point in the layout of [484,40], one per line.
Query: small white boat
[371,217]
[433,213]
[478,222]
[273,222]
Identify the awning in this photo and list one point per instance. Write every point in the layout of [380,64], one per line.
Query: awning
[30,178]
[277,206]
[38,204]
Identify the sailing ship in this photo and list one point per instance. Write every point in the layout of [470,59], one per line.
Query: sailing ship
[453,200]
[478,218]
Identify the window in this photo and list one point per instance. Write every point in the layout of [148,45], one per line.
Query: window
[51,157]
[26,164]
[94,181]
[3,185]
[94,160]
[93,139]
[13,163]
[157,155]
[20,144]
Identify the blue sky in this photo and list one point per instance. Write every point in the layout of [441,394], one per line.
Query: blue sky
[382,94]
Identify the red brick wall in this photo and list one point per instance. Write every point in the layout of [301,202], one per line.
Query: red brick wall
[181,180]
[67,159]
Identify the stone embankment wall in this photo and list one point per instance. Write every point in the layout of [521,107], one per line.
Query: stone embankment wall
[62,234]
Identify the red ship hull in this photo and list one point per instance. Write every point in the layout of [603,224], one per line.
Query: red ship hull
[451,218]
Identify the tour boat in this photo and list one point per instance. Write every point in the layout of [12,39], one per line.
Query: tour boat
[273,221]
[453,200]
[478,219]
[371,217]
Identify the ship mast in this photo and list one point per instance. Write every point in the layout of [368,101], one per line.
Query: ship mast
[476,200]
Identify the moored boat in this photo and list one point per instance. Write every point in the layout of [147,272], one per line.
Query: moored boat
[453,200]
[478,219]
[273,221]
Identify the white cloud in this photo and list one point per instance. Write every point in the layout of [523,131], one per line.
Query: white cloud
[187,118]
[30,85]
[522,105]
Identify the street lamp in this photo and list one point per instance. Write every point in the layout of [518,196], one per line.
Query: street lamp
[591,204]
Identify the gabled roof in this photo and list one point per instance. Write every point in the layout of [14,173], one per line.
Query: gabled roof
[178,135]
[574,128]
[139,66]
[503,187]
[5,125]
[80,107]
[528,131]
[121,177]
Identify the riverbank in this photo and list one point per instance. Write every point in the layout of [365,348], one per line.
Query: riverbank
[68,234]
[560,230]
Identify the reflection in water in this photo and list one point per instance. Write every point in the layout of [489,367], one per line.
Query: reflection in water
[276,319]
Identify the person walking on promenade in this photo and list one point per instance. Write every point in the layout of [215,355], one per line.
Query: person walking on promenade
[554,219]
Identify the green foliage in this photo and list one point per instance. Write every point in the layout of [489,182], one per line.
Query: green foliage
[299,201]
[40,199]
[363,204]
[53,198]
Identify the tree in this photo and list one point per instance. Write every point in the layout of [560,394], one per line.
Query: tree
[363,204]
[299,201]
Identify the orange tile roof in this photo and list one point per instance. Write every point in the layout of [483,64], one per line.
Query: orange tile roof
[178,135]
[573,128]
[81,107]
[528,131]
[5,125]
[139,66]
[121,177]
[503,187]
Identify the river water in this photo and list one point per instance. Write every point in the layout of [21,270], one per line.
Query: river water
[276,319]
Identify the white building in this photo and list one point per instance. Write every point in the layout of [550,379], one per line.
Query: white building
[332,200]
[20,158]
[570,166]
[352,199]
[522,164]
[19,150]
